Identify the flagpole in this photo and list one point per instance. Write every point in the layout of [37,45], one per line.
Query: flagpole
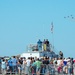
[52,32]
[53,41]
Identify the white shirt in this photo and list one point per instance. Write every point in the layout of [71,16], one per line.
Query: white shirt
[58,62]
[28,62]
[3,65]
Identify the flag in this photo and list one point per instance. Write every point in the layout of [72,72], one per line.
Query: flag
[52,27]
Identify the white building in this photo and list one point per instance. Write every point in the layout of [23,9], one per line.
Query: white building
[31,54]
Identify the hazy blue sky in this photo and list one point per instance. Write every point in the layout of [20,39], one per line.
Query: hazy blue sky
[23,22]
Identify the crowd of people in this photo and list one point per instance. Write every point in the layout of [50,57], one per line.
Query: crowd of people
[38,66]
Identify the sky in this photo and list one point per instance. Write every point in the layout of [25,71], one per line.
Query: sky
[23,22]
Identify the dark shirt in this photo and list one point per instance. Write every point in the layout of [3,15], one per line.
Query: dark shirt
[46,62]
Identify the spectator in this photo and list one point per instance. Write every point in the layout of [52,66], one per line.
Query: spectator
[38,66]
[19,67]
[74,67]
[39,44]
[3,66]
[27,69]
[47,45]
[44,45]
[21,61]
[69,67]
[14,64]
[10,65]
[0,64]
[61,54]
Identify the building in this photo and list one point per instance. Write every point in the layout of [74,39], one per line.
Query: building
[31,54]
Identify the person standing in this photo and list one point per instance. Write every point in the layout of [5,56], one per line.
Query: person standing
[44,45]
[3,66]
[38,66]
[10,64]
[39,44]
[14,64]
[27,69]
[74,68]
[0,64]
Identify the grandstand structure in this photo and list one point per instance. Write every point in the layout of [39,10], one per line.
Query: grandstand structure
[41,49]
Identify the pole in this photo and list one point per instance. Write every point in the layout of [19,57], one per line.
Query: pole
[52,32]
[53,41]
